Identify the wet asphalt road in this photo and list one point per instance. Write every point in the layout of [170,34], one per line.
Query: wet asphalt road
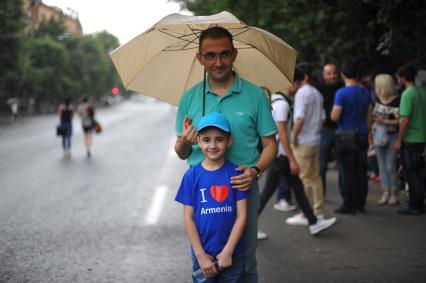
[112,218]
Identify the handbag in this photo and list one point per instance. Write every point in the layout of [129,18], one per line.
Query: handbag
[98,127]
[380,135]
[61,130]
[346,140]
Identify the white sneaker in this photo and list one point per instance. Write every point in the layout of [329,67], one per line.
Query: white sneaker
[283,205]
[321,225]
[297,220]
[261,235]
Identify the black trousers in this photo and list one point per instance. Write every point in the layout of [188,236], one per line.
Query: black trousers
[280,170]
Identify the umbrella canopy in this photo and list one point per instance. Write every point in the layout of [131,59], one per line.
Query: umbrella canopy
[162,63]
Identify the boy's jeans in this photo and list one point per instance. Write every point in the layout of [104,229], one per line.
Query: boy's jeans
[230,274]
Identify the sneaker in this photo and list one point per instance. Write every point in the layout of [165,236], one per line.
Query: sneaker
[261,235]
[393,199]
[297,220]
[321,225]
[283,205]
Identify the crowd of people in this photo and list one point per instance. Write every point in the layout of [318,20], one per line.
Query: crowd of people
[86,112]
[229,136]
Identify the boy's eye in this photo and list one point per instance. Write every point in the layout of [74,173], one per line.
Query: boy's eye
[219,139]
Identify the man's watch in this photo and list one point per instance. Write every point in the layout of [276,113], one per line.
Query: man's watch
[258,172]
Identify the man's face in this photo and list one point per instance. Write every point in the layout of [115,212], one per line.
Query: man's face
[217,56]
[213,143]
[329,74]
[294,88]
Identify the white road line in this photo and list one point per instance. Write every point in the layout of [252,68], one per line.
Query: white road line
[156,205]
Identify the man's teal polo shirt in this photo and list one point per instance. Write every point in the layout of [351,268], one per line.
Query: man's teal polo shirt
[246,107]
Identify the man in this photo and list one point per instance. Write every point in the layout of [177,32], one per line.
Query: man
[285,165]
[328,88]
[249,113]
[412,138]
[308,117]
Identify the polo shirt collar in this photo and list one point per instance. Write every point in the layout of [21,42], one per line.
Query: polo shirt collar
[235,88]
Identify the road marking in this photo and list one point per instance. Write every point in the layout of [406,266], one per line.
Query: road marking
[156,205]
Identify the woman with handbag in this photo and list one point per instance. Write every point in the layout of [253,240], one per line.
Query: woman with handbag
[385,131]
[66,112]
[352,112]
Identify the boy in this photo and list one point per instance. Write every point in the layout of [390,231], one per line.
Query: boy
[214,214]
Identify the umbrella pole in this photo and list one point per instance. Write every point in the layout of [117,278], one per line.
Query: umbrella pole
[204,92]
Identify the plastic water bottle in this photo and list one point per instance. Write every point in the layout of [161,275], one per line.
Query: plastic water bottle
[199,276]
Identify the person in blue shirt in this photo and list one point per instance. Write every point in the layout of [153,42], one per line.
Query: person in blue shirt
[215,214]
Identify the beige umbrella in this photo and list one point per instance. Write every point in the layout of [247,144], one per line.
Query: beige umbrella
[162,63]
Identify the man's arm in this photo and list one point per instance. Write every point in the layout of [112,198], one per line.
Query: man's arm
[225,256]
[403,125]
[336,111]
[243,182]
[205,261]
[297,128]
[183,145]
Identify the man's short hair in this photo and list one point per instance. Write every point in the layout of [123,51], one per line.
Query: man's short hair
[298,75]
[407,72]
[216,33]
[305,68]
[349,70]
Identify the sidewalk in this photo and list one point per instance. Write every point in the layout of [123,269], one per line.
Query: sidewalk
[377,246]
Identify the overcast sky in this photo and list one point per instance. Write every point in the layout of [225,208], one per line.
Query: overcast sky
[124,18]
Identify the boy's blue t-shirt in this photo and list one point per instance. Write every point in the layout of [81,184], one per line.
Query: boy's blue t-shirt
[214,202]
[354,101]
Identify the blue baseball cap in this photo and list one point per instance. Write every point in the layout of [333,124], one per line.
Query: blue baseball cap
[214,119]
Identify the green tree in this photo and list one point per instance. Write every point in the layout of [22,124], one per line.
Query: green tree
[53,28]
[11,27]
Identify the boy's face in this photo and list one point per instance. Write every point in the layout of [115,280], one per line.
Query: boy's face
[213,143]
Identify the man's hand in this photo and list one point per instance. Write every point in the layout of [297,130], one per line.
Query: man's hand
[224,260]
[243,182]
[206,265]
[189,135]
[294,167]
[397,145]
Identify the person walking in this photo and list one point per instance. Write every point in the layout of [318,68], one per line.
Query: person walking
[308,118]
[328,87]
[248,110]
[384,132]
[411,139]
[352,112]
[87,114]
[285,166]
[66,113]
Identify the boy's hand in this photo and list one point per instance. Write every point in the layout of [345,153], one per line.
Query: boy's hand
[243,182]
[224,260]
[189,135]
[206,265]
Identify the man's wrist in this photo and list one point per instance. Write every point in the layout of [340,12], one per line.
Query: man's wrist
[257,172]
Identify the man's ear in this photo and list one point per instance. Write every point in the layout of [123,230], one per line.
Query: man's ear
[199,57]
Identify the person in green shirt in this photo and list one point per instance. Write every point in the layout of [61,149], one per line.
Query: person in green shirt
[249,113]
[411,139]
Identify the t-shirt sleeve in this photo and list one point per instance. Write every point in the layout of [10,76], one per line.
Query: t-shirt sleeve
[404,107]
[242,195]
[265,122]
[280,111]
[300,105]
[182,111]
[184,194]
[338,98]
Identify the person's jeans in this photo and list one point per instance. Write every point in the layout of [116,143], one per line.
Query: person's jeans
[387,158]
[280,169]
[66,139]
[353,166]
[231,274]
[250,236]
[283,192]
[413,163]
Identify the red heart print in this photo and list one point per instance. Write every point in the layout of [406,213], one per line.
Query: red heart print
[219,193]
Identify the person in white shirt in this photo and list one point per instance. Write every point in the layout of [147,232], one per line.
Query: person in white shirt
[308,118]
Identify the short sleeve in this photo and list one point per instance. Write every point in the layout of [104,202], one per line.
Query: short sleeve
[300,104]
[405,107]
[338,98]
[265,122]
[280,110]
[242,195]
[184,194]
[182,111]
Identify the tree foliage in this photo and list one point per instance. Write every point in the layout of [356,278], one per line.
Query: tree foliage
[389,32]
